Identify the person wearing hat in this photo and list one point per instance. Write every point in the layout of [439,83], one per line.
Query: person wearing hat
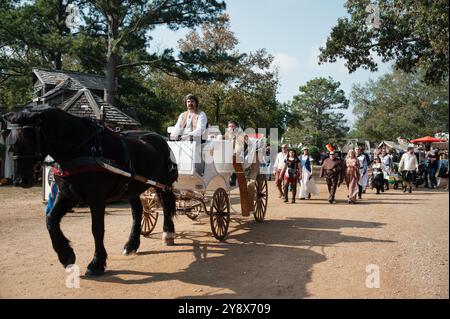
[192,122]
[332,169]
[307,184]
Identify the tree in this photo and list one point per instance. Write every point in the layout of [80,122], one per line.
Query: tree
[240,86]
[413,34]
[31,35]
[120,20]
[314,120]
[400,105]
[218,43]
[39,27]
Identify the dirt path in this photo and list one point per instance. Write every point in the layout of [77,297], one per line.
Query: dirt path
[306,250]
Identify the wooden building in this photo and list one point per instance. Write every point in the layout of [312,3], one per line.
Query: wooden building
[80,95]
[76,93]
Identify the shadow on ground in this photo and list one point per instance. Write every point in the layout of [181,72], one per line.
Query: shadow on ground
[273,259]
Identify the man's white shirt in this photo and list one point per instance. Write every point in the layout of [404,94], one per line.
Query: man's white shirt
[201,124]
[279,161]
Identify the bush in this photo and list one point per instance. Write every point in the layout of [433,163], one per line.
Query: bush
[314,152]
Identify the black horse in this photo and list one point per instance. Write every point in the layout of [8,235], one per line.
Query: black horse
[76,144]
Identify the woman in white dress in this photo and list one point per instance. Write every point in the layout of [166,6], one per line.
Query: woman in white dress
[307,184]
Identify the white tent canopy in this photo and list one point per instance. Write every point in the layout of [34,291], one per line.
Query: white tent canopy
[390,145]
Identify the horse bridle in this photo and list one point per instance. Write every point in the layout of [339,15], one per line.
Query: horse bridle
[37,153]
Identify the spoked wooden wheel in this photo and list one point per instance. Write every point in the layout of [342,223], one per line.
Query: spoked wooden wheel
[150,203]
[261,196]
[220,214]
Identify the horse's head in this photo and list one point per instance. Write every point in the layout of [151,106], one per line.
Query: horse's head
[24,140]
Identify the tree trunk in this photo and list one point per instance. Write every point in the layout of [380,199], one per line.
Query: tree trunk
[112,59]
[60,18]
[57,61]
[319,128]
[217,117]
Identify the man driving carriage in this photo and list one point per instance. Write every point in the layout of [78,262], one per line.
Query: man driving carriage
[191,122]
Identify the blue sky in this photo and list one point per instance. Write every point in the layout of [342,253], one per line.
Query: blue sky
[292,31]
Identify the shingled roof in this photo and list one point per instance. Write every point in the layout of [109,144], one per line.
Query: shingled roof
[78,80]
[67,84]
[85,103]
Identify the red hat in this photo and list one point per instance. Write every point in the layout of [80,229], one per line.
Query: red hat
[330,148]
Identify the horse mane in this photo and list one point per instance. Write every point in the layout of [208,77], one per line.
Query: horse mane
[28,116]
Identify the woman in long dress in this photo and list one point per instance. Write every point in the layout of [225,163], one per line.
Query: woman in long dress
[377,180]
[307,184]
[352,176]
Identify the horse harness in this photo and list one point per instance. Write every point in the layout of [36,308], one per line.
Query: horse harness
[93,163]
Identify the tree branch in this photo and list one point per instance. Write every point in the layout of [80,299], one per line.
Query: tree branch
[133,64]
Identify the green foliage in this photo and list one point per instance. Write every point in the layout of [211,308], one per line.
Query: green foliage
[314,152]
[241,87]
[113,36]
[413,34]
[126,26]
[313,119]
[31,35]
[400,105]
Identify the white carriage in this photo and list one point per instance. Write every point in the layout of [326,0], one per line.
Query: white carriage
[203,184]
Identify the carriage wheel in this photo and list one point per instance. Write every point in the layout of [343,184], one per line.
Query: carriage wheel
[261,196]
[220,214]
[150,214]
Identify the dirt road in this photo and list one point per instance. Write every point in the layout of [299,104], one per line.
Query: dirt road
[310,249]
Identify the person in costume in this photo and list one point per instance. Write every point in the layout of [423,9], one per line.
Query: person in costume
[278,167]
[352,176]
[363,171]
[307,184]
[291,173]
[332,169]
[192,122]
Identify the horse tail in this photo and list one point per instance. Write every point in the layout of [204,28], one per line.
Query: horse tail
[173,177]
[172,168]
[168,197]
[168,201]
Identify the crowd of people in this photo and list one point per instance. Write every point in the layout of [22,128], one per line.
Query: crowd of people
[358,170]
[291,168]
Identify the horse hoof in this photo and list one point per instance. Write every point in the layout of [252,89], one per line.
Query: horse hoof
[169,242]
[168,239]
[127,252]
[94,272]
